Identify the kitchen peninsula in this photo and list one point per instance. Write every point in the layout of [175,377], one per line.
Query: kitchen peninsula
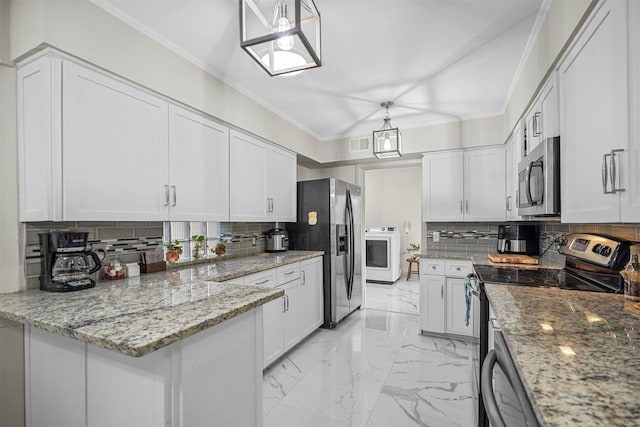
[171,348]
[582,367]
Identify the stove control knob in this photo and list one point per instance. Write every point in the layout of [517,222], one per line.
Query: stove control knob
[597,248]
[605,251]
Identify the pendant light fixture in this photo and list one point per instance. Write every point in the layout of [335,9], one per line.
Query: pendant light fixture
[387,140]
[287,43]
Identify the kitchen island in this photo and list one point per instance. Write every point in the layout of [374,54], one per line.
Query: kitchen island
[170,348]
[582,367]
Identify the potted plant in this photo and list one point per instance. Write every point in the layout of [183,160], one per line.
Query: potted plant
[199,247]
[174,250]
[413,250]
[220,249]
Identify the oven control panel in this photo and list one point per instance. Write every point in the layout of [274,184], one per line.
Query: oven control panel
[596,249]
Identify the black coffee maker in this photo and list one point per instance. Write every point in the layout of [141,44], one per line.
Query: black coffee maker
[66,264]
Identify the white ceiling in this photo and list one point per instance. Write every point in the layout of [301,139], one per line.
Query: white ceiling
[438,60]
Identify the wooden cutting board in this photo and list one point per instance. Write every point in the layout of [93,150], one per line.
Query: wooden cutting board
[512,258]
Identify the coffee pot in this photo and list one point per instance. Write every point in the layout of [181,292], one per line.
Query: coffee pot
[66,264]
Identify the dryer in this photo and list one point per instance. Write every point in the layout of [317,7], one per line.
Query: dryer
[383,254]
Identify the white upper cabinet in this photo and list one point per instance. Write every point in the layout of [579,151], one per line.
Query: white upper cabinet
[248,178]
[541,120]
[39,139]
[198,182]
[513,155]
[464,185]
[630,201]
[484,186]
[114,151]
[262,180]
[594,122]
[442,186]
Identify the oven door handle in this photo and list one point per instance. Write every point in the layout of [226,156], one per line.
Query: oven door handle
[488,394]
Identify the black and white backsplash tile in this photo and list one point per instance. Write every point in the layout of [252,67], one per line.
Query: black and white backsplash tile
[476,239]
[127,240]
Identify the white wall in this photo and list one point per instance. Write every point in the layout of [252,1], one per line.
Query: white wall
[11,259]
[458,134]
[393,197]
[350,174]
[560,22]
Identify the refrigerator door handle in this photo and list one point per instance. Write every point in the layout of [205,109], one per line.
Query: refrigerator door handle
[351,244]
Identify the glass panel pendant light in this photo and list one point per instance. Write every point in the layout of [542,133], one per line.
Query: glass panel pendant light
[387,140]
[282,36]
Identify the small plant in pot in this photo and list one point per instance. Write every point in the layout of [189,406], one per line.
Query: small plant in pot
[413,250]
[174,250]
[199,247]
[220,249]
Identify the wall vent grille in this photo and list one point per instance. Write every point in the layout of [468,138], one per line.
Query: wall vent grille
[359,145]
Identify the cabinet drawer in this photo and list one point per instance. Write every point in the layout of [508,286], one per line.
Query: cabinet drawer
[433,266]
[265,278]
[458,268]
[287,273]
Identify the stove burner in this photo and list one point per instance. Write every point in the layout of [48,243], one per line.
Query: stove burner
[549,277]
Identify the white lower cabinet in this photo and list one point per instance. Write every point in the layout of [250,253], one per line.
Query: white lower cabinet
[311,295]
[290,318]
[442,297]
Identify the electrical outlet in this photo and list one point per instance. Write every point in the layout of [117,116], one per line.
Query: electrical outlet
[436,236]
[254,240]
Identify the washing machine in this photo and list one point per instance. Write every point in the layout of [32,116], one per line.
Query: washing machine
[383,254]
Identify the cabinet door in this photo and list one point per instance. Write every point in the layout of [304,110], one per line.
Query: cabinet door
[248,178]
[549,108]
[273,329]
[456,308]
[510,182]
[39,140]
[115,147]
[198,167]
[281,185]
[630,209]
[533,128]
[311,296]
[292,313]
[484,179]
[593,114]
[432,303]
[442,186]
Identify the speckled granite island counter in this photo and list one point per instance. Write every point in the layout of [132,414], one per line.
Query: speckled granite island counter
[197,345]
[599,385]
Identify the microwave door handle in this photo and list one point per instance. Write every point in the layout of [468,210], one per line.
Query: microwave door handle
[538,164]
[528,184]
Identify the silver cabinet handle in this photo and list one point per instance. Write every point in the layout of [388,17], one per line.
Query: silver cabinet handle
[614,171]
[304,277]
[433,267]
[287,301]
[536,124]
[441,291]
[166,195]
[604,173]
[175,195]
[284,303]
[466,206]
[262,282]
[461,206]
[289,272]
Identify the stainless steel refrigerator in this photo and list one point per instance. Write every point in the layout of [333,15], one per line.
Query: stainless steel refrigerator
[329,219]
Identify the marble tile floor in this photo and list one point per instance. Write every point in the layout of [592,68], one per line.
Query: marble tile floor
[401,297]
[373,370]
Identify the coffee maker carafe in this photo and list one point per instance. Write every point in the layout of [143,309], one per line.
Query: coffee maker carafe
[66,264]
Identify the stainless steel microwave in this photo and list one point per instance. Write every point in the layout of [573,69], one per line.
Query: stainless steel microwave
[539,180]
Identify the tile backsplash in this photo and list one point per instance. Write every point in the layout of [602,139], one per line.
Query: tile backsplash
[127,240]
[470,238]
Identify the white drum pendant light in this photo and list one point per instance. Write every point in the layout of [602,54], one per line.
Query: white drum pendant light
[282,36]
[387,140]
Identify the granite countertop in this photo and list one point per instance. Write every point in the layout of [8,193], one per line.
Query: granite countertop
[138,315]
[599,385]
[232,268]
